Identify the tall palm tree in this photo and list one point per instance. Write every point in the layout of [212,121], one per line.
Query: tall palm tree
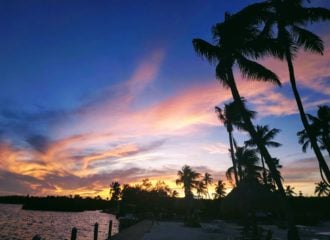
[235,41]
[320,125]
[289,17]
[189,179]
[266,137]
[230,117]
[322,189]
[208,180]
[220,190]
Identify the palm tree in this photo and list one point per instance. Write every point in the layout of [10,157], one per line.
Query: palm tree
[269,178]
[208,180]
[226,118]
[266,137]
[290,17]
[248,159]
[322,189]
[230,117]
[235,41]
[189,179]
[115,191]
[220,190]
[201,189]
[320,125]
[289,191]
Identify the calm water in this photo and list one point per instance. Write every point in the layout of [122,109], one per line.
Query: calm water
[19,224]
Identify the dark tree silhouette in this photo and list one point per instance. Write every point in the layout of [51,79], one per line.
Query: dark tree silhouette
[231,117]
[115,191]
[289,191]
[290,17]
[322,189]
[248,159]
[201,189]
[266,137]
[236,40]
[320,125]
[231,48]
[220,190]
[208,180]
[189,179]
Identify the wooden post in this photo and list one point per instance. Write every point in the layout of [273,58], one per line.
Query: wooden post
[74,234]
[96,229]
[110,230]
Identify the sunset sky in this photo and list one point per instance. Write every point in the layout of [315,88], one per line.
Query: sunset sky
[97,91]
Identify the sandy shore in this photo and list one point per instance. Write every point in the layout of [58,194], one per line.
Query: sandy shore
[135,232]
[145,230]
[177,231]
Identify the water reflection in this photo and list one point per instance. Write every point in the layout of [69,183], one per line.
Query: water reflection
[18,224]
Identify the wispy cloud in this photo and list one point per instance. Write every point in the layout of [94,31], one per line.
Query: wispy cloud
[217,148]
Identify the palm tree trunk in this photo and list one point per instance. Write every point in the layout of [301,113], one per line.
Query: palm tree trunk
[326,142]
[322,163]
[292,232]
[264,176]
[232,156]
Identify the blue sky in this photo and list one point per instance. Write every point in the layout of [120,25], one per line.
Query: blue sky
[93,92]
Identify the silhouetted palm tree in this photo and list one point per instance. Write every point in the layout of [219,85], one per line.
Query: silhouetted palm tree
[320,125]
[270,181]
[236,40]
[208,180]
[290,17]
[201,189]
[266,137]
[230,117]
[322,189]
[174,194]
[248,159]
[115,191]
[220,190]
[189,179]
[289,191]
[226,118]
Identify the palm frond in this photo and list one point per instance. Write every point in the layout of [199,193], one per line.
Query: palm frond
[316,14]
[206,50]
[254,70]
[310,41]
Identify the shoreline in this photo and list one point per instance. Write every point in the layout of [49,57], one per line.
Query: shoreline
[134,232]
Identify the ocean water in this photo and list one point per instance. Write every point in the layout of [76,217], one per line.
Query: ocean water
[18,224]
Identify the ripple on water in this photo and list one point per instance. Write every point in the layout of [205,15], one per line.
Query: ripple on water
[18,224]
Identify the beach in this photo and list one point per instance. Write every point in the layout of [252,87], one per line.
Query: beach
[172,230]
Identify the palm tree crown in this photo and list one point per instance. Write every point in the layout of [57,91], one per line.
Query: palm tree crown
[266,136]
[220,190]
[320,125]
[189,179]
[322,189]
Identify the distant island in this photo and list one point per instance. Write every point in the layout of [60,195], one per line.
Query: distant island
[57,203]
